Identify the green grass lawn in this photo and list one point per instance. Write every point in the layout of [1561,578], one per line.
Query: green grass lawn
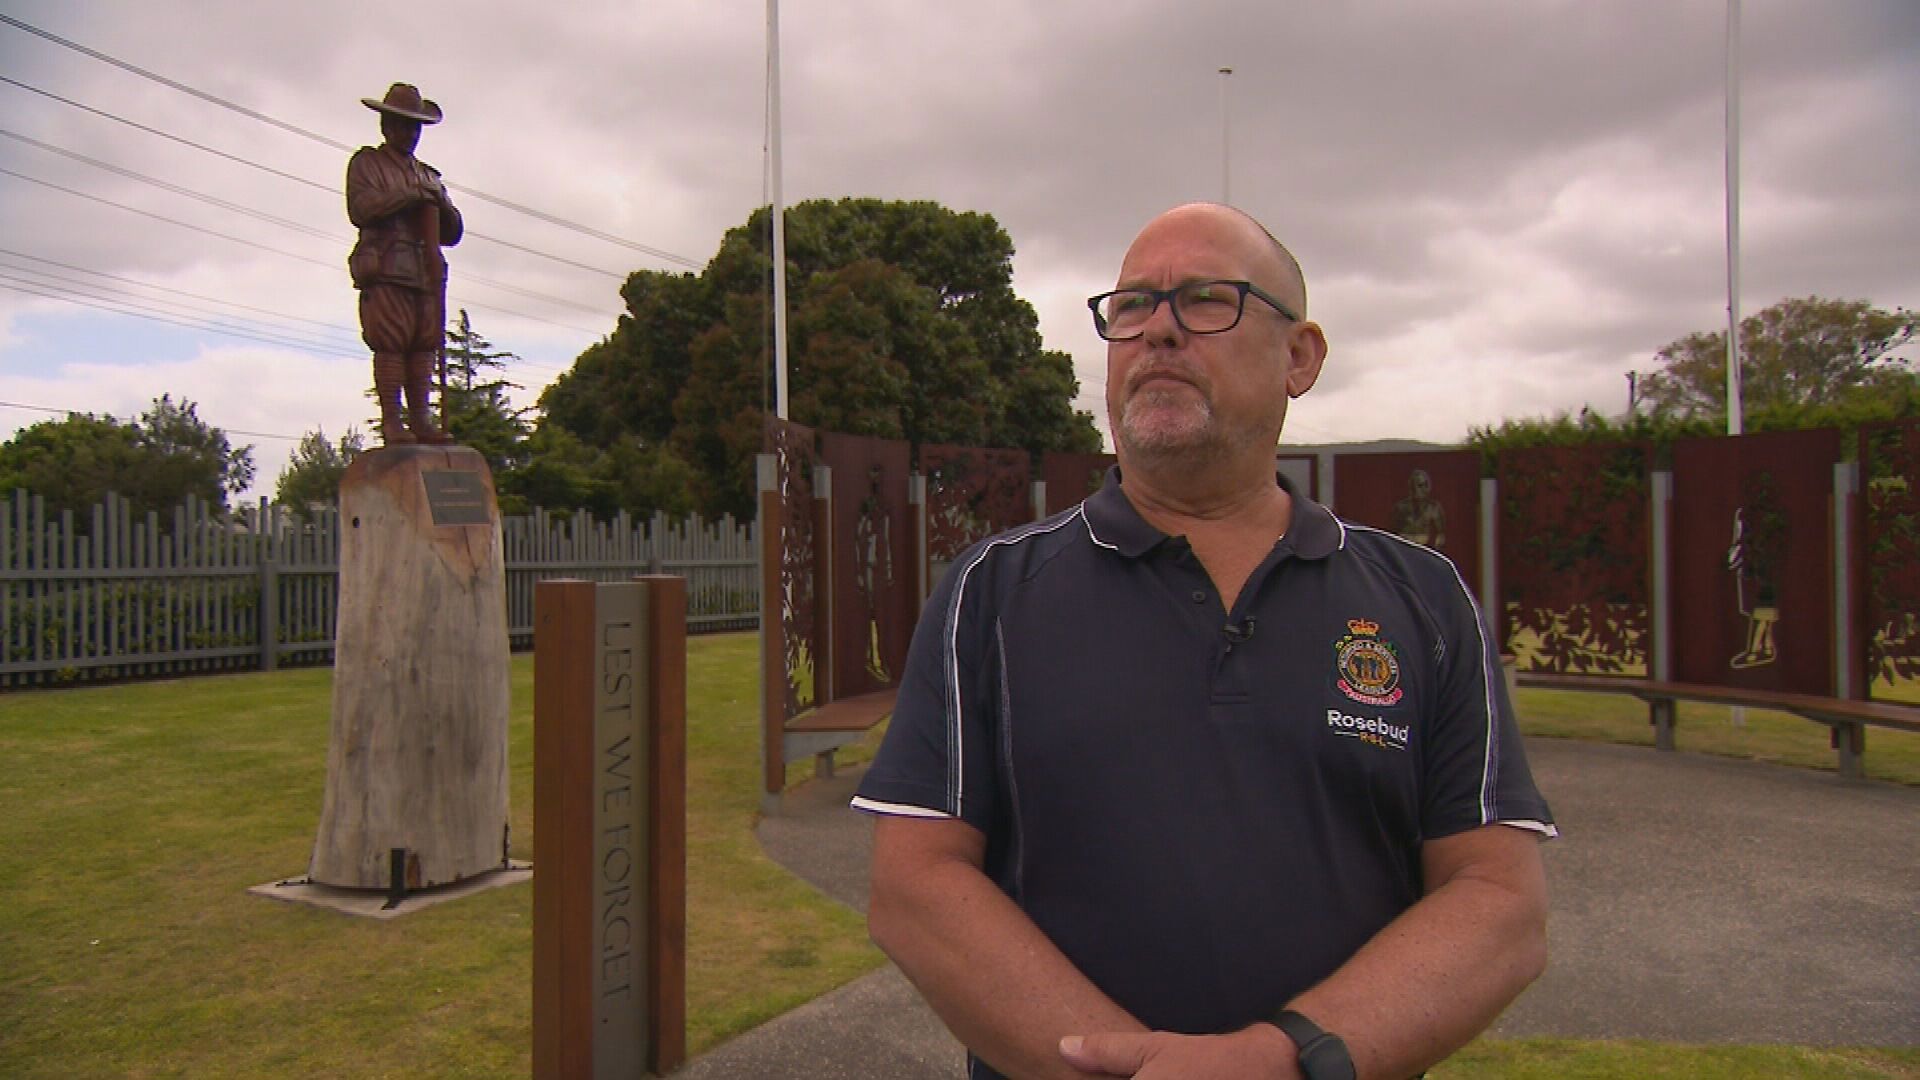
[136,816]
[1765,735]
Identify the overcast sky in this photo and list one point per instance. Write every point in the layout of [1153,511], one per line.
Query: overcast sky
[1502,206]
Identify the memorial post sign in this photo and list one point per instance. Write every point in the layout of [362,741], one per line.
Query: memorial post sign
[609,825]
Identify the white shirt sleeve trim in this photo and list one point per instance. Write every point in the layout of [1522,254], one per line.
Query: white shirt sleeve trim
[1545,829]
[875,806]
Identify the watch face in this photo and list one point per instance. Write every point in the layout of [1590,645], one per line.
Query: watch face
[1326,1058]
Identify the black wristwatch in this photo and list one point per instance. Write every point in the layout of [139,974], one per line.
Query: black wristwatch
[1323,1056]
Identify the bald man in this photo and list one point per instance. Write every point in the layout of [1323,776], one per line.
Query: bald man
[1195,779]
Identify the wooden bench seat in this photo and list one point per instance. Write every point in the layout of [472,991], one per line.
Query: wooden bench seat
[825,728]
[847,714]
[1847,720]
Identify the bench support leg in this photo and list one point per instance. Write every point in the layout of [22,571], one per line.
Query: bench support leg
[1851,741]
[1660,713]
[823,765]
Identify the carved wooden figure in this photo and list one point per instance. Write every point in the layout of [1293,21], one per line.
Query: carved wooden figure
[405,217]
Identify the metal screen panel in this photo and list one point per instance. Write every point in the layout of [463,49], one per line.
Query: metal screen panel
[1072,477]
[793,448]
[1431,498]
[873,603]
[1752,562]
[1574,546]
[972,493]
[1890,489]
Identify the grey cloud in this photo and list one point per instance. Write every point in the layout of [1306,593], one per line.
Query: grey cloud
[1420,158]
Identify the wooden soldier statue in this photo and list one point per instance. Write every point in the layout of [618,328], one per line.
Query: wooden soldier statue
[405,218]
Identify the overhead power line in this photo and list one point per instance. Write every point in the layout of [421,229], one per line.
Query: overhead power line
[496,308]
[214,99]
[171,84]
[472,235]
[117,294]
[123,308]
[184,315]
[465,275]
[76,412]
[352,346]
[179,292]
[265,336]
[247,211]
[162,217]
[170,136]
[631,245]
[186,192]
[291,255]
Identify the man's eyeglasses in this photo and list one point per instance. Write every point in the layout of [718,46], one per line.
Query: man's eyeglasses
[1200,307]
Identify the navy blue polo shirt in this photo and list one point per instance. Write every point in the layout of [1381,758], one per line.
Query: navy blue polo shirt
[1208,811]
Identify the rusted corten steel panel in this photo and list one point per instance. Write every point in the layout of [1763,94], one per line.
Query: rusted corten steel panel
[1889,628]
[873,604]
[1431,498]
[1575,540]
[1752,560]
[972,493]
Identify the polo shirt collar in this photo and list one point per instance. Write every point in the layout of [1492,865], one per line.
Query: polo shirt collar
[1314,533]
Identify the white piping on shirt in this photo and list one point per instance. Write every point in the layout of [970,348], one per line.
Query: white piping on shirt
[956,769]
[1489,758]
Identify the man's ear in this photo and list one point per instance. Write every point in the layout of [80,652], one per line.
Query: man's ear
[1304,358]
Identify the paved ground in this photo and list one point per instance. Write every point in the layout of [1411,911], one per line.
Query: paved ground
[1694,899]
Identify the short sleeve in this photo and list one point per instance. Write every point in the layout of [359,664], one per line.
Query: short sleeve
[937,757]
[1476,767]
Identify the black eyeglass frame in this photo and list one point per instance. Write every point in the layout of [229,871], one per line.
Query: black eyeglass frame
[1165,296]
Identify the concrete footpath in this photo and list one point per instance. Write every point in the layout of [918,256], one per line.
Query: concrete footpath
[1695,899]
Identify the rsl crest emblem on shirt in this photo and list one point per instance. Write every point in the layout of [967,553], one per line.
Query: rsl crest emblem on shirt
[1368,665]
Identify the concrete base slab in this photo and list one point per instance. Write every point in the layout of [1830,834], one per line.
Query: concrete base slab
[372,903]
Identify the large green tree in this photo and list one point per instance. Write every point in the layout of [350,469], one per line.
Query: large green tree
[155,461]
[1801,353]
[904,324]
[563,473]
[311,478]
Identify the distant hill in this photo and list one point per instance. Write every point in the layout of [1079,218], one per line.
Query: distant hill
[1376,446]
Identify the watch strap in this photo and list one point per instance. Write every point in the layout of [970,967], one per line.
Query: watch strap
[1322,1056]
[1297,1027]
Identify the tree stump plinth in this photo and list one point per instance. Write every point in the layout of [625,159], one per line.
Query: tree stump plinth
[417,760]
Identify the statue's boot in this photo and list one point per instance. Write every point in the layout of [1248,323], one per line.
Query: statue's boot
[388,375]
[419,407]
[1763,646]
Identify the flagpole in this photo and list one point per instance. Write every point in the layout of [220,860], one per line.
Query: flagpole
[779,213]
[1735,407]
